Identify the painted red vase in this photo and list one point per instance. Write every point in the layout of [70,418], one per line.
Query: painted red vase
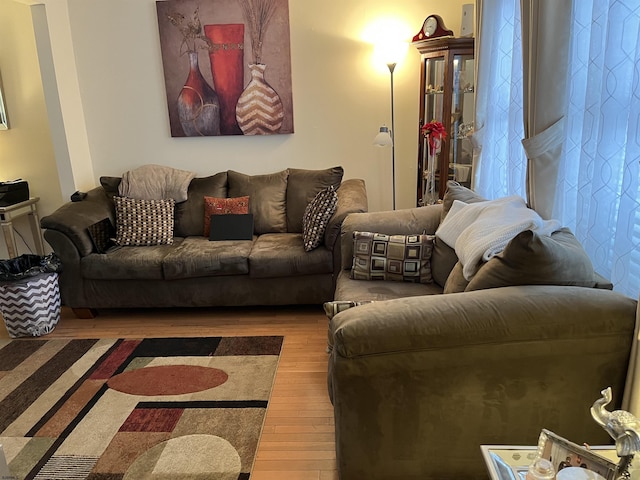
[226,56]
[198,104]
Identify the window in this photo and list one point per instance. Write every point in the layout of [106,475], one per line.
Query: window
[598,189]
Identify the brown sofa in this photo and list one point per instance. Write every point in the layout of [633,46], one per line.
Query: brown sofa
[421,377]
[271,269]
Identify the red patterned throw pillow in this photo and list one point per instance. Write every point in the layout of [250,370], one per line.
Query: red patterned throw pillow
[221,206]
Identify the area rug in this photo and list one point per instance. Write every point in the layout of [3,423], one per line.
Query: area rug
[127,409]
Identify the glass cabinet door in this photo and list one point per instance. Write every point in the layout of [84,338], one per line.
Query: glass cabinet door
[447,88]
[433,89]
[462,117]
[434,98]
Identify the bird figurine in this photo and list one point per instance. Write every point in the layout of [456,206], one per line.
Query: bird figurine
[621,425]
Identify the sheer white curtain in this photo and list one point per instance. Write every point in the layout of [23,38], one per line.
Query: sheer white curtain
[598,187]
[501,168]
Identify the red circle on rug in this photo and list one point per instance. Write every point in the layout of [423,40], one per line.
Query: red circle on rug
[167,380]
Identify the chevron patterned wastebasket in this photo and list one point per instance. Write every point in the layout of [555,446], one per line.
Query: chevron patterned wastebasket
[30,307]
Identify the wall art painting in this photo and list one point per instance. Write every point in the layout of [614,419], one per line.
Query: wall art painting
[227,66]
[4,121]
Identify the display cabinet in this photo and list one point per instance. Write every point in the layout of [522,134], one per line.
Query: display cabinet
[447,87]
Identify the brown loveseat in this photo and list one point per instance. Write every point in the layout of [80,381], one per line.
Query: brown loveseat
[271,269]
[421,377]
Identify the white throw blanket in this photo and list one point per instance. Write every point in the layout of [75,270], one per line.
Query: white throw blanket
[156,182]
[478,231]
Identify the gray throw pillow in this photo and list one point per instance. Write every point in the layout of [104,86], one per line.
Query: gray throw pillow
[302,186]
[110,185]
[532,259]
[455,191]
[189,215]
[268,198]
[444,257]
[456,282]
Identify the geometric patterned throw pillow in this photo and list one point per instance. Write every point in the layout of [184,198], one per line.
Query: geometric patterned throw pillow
[335,307]
[316,217]
[223,206]
[377,256]
[144,222]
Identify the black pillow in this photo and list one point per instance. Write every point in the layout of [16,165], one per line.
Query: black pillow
[102,236]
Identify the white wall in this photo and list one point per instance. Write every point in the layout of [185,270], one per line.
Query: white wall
[108,70]
[25,149]
[340,96]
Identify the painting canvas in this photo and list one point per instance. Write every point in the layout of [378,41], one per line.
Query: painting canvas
[4,121]
[227,66]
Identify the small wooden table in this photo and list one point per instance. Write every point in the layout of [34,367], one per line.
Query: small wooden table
[8,213]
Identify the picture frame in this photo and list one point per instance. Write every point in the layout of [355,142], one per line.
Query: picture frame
[563,453]
[4,121]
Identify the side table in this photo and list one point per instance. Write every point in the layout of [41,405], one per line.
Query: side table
[8,213]
[511,462]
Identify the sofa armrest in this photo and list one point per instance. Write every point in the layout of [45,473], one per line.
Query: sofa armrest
[352,197]
[498,315]
[419,383]
[73,218]
[394,222]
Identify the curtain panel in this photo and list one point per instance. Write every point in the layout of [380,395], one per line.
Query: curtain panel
[499,160]
[546,27]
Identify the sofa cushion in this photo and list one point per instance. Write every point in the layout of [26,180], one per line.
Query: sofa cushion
[377,256]
[268,198]
[316,217]
[282,255]
[302,187]
[356,290]
[444,257]
[127,263]
[144,222]
[223,206]
[199,257]
[455,191]
[110,185]
[443,260]
[533,259]
[189,215]
[102,235]
[456,282]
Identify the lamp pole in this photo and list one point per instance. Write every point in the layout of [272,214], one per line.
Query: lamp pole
[392,67]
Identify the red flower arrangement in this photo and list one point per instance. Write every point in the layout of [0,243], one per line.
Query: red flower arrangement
[435,133]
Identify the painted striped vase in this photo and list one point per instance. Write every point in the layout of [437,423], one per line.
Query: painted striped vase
[259,110]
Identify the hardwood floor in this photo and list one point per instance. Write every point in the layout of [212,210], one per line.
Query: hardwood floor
[297,441]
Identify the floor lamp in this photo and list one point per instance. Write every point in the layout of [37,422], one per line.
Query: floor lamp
[386,137]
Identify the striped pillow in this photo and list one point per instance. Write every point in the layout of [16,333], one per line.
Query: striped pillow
[144,222]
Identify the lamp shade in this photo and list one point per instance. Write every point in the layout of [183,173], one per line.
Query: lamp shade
[383,138]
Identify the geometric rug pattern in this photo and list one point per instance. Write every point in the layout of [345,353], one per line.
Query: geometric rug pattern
[134,409]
